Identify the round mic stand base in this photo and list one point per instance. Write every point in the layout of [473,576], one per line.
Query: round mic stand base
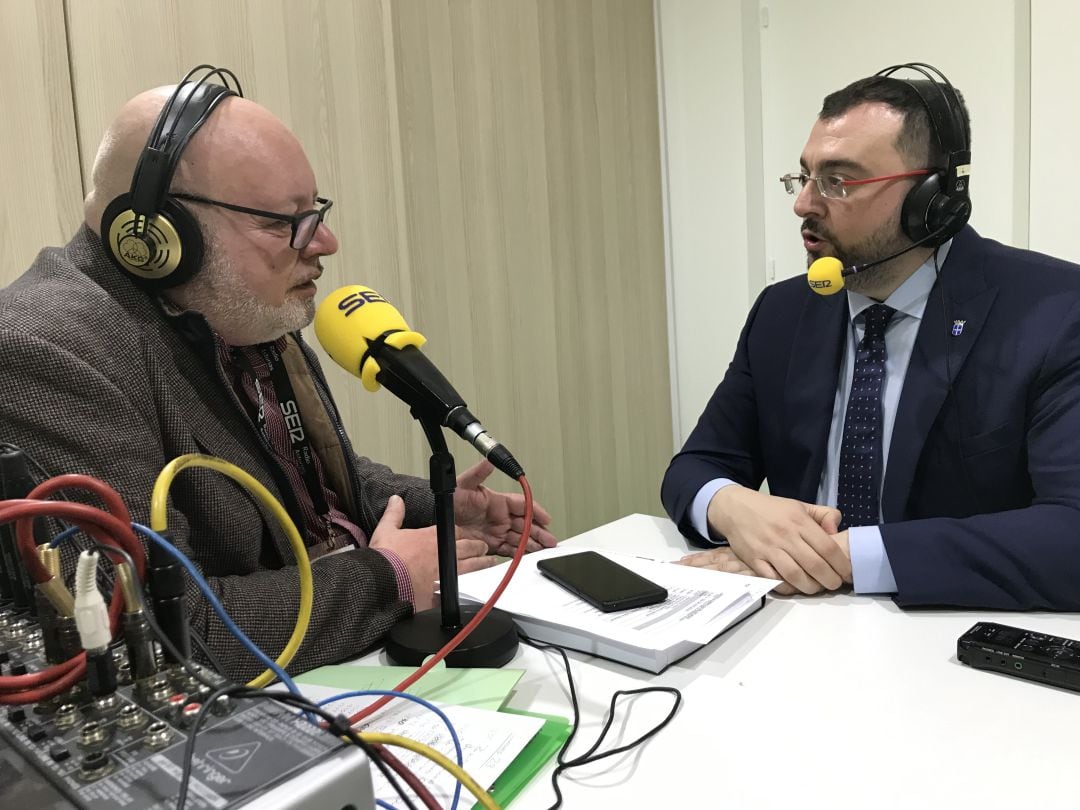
[492,644]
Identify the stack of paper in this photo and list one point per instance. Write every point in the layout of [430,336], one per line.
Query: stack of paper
[701,604]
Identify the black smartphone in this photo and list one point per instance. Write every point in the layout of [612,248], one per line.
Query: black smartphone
[601,582]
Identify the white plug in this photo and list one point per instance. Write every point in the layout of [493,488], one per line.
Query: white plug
[91,613]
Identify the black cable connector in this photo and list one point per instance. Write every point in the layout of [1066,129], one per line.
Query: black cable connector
[100,672]
[67,634]
[168,581]
[505,461]
[140,645]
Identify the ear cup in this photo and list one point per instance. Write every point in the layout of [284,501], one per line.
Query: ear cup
[927,209]
[167,252]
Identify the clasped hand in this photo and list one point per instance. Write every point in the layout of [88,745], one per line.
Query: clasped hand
[779,538]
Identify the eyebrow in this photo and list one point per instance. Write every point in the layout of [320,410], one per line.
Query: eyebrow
[836,165]
[302,200]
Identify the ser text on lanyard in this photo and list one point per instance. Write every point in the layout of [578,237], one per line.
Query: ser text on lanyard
[294,423]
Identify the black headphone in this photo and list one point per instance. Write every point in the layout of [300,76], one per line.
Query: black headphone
[146,233]
[938,206]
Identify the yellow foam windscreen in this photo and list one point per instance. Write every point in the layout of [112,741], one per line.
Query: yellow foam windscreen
[825,276]
[350,319]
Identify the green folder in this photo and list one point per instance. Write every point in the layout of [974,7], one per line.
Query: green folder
[546,744]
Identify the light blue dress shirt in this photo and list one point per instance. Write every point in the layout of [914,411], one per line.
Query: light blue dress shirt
[870,566]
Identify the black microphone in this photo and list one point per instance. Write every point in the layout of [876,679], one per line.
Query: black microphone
[369,338]
[826,275]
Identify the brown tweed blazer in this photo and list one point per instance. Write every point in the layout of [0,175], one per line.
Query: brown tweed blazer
[95,378]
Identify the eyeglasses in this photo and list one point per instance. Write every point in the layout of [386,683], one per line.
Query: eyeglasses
[834,187]
[303,224]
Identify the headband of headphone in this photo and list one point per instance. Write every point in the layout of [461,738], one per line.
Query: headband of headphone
[939,205]
[146,233]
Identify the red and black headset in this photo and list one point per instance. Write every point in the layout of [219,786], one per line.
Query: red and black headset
[939,205]
[149,235]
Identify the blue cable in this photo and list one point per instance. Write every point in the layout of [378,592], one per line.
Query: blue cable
[211,597]
[64,535]
[414,699]
[387,805]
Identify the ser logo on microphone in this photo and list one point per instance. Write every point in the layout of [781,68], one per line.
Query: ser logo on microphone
[353,301]
[819,284]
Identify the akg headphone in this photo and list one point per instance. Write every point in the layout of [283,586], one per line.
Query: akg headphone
[148,235]
[938,206]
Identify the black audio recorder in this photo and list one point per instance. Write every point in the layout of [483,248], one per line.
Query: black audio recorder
[1022,653]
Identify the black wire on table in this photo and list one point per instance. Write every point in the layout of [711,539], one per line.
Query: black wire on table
[591,756]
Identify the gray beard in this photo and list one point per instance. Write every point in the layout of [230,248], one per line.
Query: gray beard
[224,298]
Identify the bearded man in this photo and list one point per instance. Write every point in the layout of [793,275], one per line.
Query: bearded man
[115,363]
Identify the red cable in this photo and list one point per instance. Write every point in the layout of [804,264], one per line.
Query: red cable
[411,779]
[86,517]
[9,683]
[453,643]
[61,684]
[60,677]
[24,510]
[104,526]
[113,502]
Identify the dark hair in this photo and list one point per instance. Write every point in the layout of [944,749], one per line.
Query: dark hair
[918,139]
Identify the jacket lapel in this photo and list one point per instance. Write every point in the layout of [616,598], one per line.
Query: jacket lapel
[944,342]
[813,371]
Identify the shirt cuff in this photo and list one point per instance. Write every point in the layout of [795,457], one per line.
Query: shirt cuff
[870,568]
[699,509]
[401,573]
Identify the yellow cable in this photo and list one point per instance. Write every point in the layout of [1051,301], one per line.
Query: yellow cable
[452,767]
[159,523]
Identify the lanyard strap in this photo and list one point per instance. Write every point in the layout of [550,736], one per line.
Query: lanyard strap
[294,423]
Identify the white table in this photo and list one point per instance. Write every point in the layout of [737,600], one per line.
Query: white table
[836,701]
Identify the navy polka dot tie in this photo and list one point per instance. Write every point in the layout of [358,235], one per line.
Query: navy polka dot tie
[860,450]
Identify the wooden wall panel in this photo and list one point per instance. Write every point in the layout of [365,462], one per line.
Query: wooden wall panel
[38,155]
[495,169]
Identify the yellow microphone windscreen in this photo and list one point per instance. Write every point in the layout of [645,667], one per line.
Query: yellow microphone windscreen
[825,275]
[350,318]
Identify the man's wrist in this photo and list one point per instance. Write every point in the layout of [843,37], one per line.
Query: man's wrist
[401,576]
[719,511]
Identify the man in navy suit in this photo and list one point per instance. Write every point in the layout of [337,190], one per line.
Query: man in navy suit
[935,402]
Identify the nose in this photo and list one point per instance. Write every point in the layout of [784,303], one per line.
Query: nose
[809,202]
[323,243]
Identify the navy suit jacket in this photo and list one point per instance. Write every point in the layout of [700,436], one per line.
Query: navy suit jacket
[981,499]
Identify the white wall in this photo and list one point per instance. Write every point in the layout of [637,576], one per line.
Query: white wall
[809,49]
[700,55]
[1055,128]
[741,84]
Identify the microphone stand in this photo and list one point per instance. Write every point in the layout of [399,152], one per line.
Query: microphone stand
[494,641]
